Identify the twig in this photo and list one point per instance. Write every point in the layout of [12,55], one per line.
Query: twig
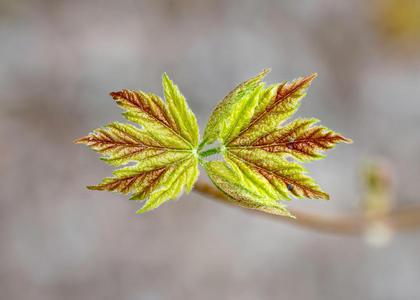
[351,224]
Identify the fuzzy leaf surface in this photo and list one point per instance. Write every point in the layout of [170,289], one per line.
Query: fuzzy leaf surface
[255,146]
[163,149]
[224,107]
[300,140]
[227,181]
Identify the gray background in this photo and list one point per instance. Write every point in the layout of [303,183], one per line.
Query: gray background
[60,59]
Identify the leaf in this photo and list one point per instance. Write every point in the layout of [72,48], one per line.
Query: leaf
[158,184]
[279,103]
[276,176]
[172,125]
[123,143]
[227,181]
[241,114]
[164,150]
[178,107]
[223,109]
[255,147]
[300,140]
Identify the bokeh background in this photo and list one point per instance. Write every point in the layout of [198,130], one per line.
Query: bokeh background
[60,59]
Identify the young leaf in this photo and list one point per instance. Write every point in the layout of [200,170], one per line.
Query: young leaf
[123,143]
[241,114]
[300,140]
[277,177]
[227,181]
[279,103]
[164,150]
[223,109]
[255,147]
[178,107]
[173,124]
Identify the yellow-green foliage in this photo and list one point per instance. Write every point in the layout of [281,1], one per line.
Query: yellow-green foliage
[227,181]
[166,150]
[224,108]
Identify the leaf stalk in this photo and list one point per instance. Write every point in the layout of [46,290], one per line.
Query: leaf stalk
[209,152]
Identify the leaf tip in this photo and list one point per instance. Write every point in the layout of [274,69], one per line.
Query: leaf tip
[341,138]
[115,95]
[265,72]
[346,140]
[311,77]
[143,209]
[306,81]
[81,140]
[106,159]
[165,77]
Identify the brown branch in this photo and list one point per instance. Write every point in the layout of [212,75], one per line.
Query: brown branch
[351,224]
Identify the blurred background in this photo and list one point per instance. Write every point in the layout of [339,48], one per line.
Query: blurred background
[60,59]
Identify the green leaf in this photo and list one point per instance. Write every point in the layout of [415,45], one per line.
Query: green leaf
[241,114]
[227,181]
[255,147]
[172,184]
[300,140]
[178,107]
[277,177]
[164,150]
[279,103]
[224,108]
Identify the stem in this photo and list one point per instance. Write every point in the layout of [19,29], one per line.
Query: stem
[210,152]
[346,224]
[202,144]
